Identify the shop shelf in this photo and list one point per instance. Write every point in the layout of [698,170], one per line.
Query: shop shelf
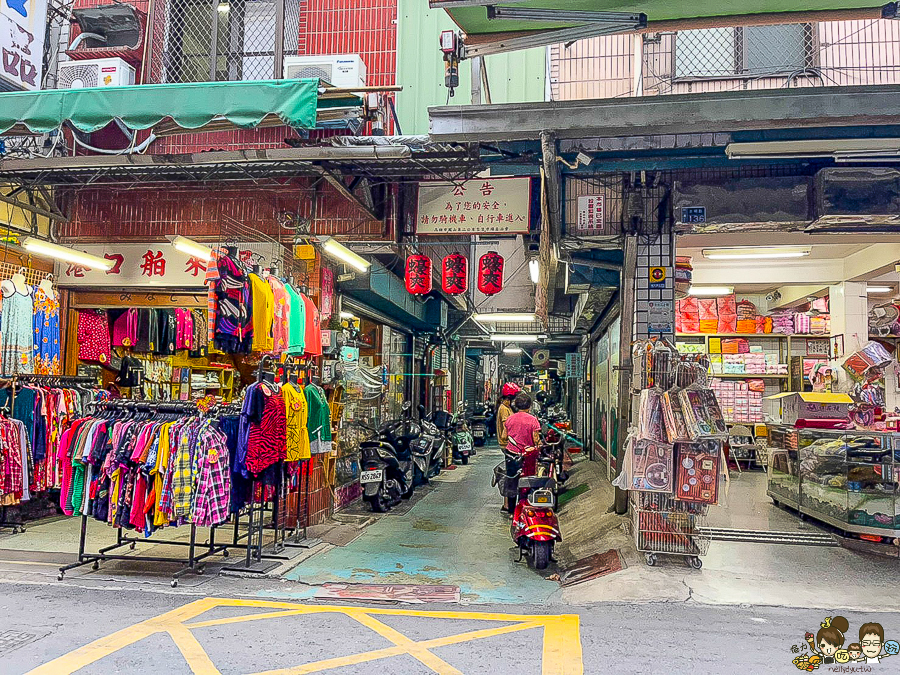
[749,376]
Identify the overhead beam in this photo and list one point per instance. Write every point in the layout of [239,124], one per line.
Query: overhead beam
[33,209]
[539,38]
[338,185]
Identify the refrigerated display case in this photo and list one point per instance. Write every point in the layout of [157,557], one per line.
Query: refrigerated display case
[847,479]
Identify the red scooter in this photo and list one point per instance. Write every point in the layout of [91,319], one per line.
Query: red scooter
[535,527]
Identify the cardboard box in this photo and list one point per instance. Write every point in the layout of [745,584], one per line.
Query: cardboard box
[812,406]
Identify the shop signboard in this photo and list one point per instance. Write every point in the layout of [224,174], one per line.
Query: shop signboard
[574,365]
[22,28]
[327,308]
[156,264]
[480,206]
[660,316]
[591,214]
[657,278]
[693,214]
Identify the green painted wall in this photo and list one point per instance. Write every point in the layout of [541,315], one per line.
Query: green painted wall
[514,77]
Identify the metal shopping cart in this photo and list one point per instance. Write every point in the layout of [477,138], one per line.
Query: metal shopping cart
[664,525]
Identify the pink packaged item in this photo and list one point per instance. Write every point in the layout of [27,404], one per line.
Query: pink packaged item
[707,309]
[727,305]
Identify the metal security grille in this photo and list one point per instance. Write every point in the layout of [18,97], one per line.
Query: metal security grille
[751,51]
[222,40]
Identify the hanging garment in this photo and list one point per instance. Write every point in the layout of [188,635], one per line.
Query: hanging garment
[266,438]
[200,340]
[313,332]
[297,331]
[263,314]
[297,412]
[124,327]
[16,330]
[281,331]
[319,422]
[46,332]
[232,322]
[168,332]
[184,329]
[147,331]
[93,336]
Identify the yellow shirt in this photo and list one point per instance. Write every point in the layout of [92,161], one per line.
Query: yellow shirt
[503,412]
[263,300]
[297,411]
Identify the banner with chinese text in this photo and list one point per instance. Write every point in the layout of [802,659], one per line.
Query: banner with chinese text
[22,29]
[480,206]
[156,264]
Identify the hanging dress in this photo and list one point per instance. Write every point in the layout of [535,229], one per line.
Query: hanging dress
[16,330]
[46,332]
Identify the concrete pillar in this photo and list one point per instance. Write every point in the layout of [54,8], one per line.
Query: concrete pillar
[850,319]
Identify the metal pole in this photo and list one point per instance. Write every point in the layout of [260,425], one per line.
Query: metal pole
[637,48]
[279,40]
[626,335]
[477,65]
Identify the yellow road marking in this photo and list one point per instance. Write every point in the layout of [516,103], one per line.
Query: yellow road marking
[561,652]
[26,562]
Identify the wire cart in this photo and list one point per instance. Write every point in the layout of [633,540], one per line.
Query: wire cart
[664,525]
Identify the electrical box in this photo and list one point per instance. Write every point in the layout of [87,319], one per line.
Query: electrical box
[344,71]
[112,72]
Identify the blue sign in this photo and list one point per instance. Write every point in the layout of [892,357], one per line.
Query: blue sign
[18,6]
[693,214]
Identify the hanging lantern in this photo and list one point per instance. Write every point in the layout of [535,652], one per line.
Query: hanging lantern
[455,274]
[490,273]
[418,274]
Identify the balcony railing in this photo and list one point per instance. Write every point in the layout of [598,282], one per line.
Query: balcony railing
[727,59]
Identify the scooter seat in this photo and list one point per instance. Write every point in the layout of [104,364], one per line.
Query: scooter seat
[537,482]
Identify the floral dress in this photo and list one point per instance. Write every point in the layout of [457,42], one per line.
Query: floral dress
[16,343]
[46,332]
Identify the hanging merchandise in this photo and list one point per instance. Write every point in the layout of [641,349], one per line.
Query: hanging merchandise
[418,274]
[490,273]
[281,326]
[16,332]
[46,329]
[455,274]
[319,420]
[230,303]
[263,314]
[93,336]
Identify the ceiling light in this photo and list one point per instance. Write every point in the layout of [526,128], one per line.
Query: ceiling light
[344,254]
[191,247]
[50,250]
[879,289]
[534,268]
[512,350]
[710,291]
[836,147]
[513,337]
[756,252]
[504,317]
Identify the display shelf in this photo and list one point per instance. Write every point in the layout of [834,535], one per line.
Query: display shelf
[779,336]
[749,376]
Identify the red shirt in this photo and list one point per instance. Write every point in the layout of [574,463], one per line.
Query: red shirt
[313,332]
[520,428]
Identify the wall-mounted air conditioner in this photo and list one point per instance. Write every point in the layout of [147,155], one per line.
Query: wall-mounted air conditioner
[112,72]
[344,71]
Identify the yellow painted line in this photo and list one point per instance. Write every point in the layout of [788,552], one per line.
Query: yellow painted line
[561,655]
[192,651]
[25,562]
[413,648]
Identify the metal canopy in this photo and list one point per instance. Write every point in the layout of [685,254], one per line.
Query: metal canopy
[386,161]
[494,26]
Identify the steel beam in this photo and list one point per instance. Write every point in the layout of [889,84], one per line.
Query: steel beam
[33,209]
[543,38]
[339,185]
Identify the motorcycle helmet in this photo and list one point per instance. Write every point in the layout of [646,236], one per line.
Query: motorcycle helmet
[510,389]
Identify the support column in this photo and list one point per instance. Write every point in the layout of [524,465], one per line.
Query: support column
[850,318]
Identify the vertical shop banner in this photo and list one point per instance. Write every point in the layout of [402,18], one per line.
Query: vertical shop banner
[327,299]
[481,206]
[140,265]
[22,27]
[591,214]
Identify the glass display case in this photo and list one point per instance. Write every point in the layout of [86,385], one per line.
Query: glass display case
[848,479]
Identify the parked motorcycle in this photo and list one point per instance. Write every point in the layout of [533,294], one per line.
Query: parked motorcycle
[433,453]
[478,422]
[462,442]
[387,472]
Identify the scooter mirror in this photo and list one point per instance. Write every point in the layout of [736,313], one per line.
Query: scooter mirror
[421,410]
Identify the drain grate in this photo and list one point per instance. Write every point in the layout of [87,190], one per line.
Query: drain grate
[13,639]
[769,536]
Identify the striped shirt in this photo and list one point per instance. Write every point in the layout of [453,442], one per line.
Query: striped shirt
[267,440]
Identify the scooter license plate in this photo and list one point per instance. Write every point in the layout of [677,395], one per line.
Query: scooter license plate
[371,476]
[465,448]
[478,433]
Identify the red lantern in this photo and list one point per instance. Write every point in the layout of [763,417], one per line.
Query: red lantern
[418,274]
[490,273]
[455,274]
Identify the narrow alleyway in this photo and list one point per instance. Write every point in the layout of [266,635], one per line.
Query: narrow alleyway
[455,535]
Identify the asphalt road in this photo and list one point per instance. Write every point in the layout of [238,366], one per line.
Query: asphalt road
[42,622]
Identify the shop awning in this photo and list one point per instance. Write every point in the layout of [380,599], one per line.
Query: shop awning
[189,106]
[493,26]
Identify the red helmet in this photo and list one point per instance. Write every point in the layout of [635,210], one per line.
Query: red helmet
[510,389]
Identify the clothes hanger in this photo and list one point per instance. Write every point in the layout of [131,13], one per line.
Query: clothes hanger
[46,285]
[19,280]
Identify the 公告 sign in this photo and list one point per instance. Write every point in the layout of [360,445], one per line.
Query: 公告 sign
[480,206]
[22,29]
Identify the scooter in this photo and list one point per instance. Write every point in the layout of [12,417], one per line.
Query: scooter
[478,423]
[387,473]
[437,446]
[462,443]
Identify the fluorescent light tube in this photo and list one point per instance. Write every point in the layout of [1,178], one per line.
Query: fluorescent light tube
[710,291]
[513,337]
[51,250]
[512,350]
[879,289]
[191,247]
[504,317]
[337,250]
[534,269]
[756,252]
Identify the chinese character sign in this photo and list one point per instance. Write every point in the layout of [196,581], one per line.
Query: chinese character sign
[327,294]
[490,273]
[480,206]
[22,28]
[137,266]
[455,274]
[418,274]
[591,215]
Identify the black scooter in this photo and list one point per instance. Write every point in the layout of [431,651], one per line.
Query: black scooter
[387,468]
[428,450]
[478,423]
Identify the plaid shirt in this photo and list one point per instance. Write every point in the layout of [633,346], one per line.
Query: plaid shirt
[213,488]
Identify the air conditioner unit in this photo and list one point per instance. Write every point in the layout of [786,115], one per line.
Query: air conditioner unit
[344,71]
[112,72]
